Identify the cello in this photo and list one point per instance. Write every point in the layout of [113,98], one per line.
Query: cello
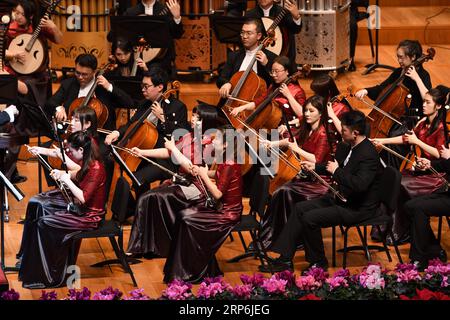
[141,134]
[90,101]
[393,102]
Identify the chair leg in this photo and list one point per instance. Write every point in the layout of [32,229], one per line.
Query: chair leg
[364,243]
[260,251]
[439,229]
[344,259]
[242,241]
[231,237]
[394,242]
[386,249]
[121,255]
[333,246]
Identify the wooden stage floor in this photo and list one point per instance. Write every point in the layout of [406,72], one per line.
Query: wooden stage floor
[149,273]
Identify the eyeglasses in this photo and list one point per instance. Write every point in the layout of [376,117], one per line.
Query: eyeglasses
[272,72]
[81,74]
[246,33]
[145,86]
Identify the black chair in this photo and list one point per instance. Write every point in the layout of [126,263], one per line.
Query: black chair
[259,195]
[113,228]
[389,192]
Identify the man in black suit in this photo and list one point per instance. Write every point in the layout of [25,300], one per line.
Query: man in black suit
[291,22]
[357,171]
[79,86]
[154,7]
[239,60]
[167,115]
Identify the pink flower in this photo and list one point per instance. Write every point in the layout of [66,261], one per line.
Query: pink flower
[275,285]
[307,282]
[243,291]
[407,272]
[256,280]
[177,290]
[372,278]
[336,282]
[212,287]
[318,273]
[137,294]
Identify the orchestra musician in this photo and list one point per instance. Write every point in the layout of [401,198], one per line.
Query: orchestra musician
[158,209]
[79,86]
[314,144]
[251,34]
[167,115]
[357,171]
[154,7]
[429,136]
[123,54]
[291,22]
[47,249]
[202,230]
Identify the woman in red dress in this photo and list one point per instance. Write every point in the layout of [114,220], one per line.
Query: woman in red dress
[47,246]
[429,136]
[314,145]
[157,210]
[201,229]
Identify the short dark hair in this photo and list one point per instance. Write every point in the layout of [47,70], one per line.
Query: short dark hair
[29,9]
[86,60]
[208,114]
[355,120]
[413,48]
[257,22]
[285,62]
[158,76]
[325,86]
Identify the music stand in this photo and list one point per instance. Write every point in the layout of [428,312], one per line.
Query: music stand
[372,66]
[8,89]
[227,29]
[130,85]
[154,29]
[18,194]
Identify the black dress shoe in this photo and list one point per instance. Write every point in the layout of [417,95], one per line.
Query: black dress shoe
[277,265]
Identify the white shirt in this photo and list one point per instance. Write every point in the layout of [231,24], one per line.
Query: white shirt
[248,58]
[148,7]
[84,91]
[348,157]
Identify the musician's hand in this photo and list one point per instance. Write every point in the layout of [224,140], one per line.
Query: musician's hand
[410,137]
[174,8]
[48,24]
[37,150]
[308,165]
[224,90]
[360,94]
[376,142]
[423,164]
[332,166]
[330,109]
[282,129]
[59,175]
[235,112]
[203,171]
[291,145]
[112,137]
[284,90]
[101,80]
[157,110]
[169,144]
[262,58]
[291,6]
[194,170]
[137,151]
[61,114]
[445,152]
[141,64]
[412,73]
[19,57]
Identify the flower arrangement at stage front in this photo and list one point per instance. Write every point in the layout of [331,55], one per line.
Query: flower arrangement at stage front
[405,282]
